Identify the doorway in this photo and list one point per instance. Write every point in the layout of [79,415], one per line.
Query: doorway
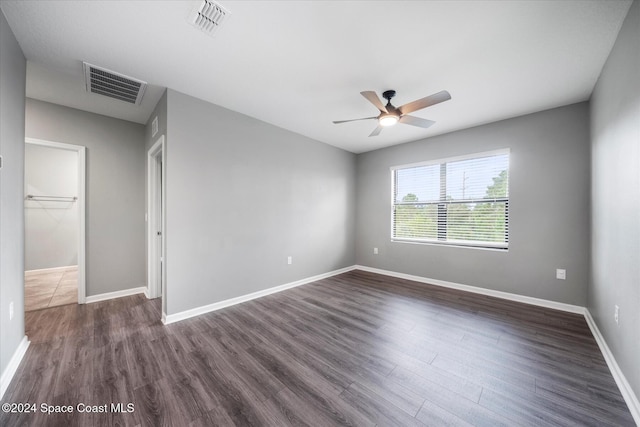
[156,179]
[54,224]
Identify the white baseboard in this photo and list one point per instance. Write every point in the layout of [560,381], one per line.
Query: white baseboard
[625,389]
[116,294]
[12,367]
[477,290]
[49,270]
[172,318]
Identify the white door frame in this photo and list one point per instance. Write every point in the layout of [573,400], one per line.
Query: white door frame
[82,153]
[156,220]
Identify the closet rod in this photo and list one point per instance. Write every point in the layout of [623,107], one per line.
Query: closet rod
[52,198]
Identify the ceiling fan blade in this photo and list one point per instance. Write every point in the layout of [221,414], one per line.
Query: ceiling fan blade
[353,120]
[376,131]
[373,98]
[416,121]
[428,101]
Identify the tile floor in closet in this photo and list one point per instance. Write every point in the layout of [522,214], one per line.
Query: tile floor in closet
[47,288]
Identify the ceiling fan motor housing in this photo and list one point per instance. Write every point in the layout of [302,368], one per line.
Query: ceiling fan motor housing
[388,94]
[391,110]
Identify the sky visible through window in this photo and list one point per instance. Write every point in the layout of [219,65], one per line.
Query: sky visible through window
[466,179]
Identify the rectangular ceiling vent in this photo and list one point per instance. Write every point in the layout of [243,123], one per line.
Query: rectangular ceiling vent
[208,16]
[114,85]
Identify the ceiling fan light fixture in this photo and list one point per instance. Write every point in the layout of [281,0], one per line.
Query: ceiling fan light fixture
[388,120]
[390,115]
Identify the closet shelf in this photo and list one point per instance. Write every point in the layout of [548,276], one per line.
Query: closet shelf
[52,198]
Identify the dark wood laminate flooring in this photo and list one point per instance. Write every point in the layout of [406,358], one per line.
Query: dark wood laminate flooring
[356,349]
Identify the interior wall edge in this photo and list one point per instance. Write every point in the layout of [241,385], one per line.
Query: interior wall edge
[12,134]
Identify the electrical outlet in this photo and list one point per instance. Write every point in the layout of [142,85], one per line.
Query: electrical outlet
[375,251]
[616,314]
[11,310]
[561,274]
[289,260]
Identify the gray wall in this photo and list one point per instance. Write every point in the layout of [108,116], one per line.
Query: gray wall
[115,226]
[242,195]
[12,88]
[615,226]
[548,210]
[51,227]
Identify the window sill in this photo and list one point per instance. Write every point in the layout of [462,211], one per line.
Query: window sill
[482,246]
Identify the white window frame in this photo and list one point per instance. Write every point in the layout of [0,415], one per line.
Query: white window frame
[460,243]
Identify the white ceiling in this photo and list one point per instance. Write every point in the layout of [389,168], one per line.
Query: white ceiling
[301,64]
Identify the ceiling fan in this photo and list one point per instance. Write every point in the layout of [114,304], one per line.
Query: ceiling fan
[390,115]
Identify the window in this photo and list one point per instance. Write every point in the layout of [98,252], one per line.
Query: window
[461,201]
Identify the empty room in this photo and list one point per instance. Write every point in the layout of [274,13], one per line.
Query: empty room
[365,213]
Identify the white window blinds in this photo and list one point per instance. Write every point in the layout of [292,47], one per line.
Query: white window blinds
[461,201]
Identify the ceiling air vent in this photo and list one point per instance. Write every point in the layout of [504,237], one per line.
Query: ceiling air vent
[112,84]
[208,16]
